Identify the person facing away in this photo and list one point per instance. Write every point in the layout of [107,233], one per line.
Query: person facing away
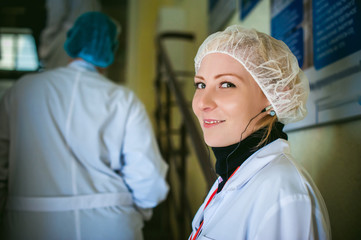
[78,157]
[248,85]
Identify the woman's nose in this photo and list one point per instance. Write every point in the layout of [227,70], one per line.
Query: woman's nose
[207,101]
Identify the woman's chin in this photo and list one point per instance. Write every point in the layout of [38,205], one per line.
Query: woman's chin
[217,143]
[220,138]
[211,142]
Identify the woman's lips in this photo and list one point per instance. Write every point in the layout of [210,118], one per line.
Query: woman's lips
[207,123]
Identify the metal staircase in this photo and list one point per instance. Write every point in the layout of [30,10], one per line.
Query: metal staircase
[177,133]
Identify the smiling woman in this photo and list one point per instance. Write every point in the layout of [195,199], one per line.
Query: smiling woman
[248,85]
[220,103]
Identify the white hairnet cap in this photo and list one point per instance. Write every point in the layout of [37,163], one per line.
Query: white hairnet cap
[271,64]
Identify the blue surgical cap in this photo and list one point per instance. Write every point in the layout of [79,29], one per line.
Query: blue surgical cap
[93,38]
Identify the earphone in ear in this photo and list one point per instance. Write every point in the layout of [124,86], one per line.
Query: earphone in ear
[272,112]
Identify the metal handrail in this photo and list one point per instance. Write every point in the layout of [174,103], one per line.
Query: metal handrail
[190,125]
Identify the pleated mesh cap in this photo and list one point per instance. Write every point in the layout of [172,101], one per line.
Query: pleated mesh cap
[93,38]
[271,64]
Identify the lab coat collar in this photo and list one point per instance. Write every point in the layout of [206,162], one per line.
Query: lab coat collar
[255,163]
[83,65]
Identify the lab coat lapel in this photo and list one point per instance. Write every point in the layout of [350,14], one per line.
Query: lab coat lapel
[255,163]
[249,168]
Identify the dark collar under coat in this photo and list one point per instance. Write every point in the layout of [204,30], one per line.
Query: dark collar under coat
[229,158]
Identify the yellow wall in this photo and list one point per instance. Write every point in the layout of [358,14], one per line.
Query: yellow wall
[331,154]
[141,58]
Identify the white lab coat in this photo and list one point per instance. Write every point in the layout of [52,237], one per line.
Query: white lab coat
[78,156]
[269,197]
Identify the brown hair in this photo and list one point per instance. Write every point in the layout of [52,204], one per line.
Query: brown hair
[267,122]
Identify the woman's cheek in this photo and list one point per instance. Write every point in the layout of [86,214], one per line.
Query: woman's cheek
[195,105]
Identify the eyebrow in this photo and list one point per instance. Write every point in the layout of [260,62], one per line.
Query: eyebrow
[200,77]
[221,75]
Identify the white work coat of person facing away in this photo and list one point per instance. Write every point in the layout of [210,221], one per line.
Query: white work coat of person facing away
[268,197]
[78,156]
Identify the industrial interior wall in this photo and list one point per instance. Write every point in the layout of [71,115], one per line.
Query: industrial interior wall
[331,154]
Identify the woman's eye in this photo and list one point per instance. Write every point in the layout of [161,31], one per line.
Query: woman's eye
[199,85]
[227,85]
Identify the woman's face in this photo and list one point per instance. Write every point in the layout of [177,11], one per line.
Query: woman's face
[225,100]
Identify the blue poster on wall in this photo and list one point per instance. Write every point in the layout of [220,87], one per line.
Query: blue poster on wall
[325,37]
[246,7]
[286,25]
[336,30]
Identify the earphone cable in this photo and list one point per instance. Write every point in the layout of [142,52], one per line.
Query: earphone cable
[240,140]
